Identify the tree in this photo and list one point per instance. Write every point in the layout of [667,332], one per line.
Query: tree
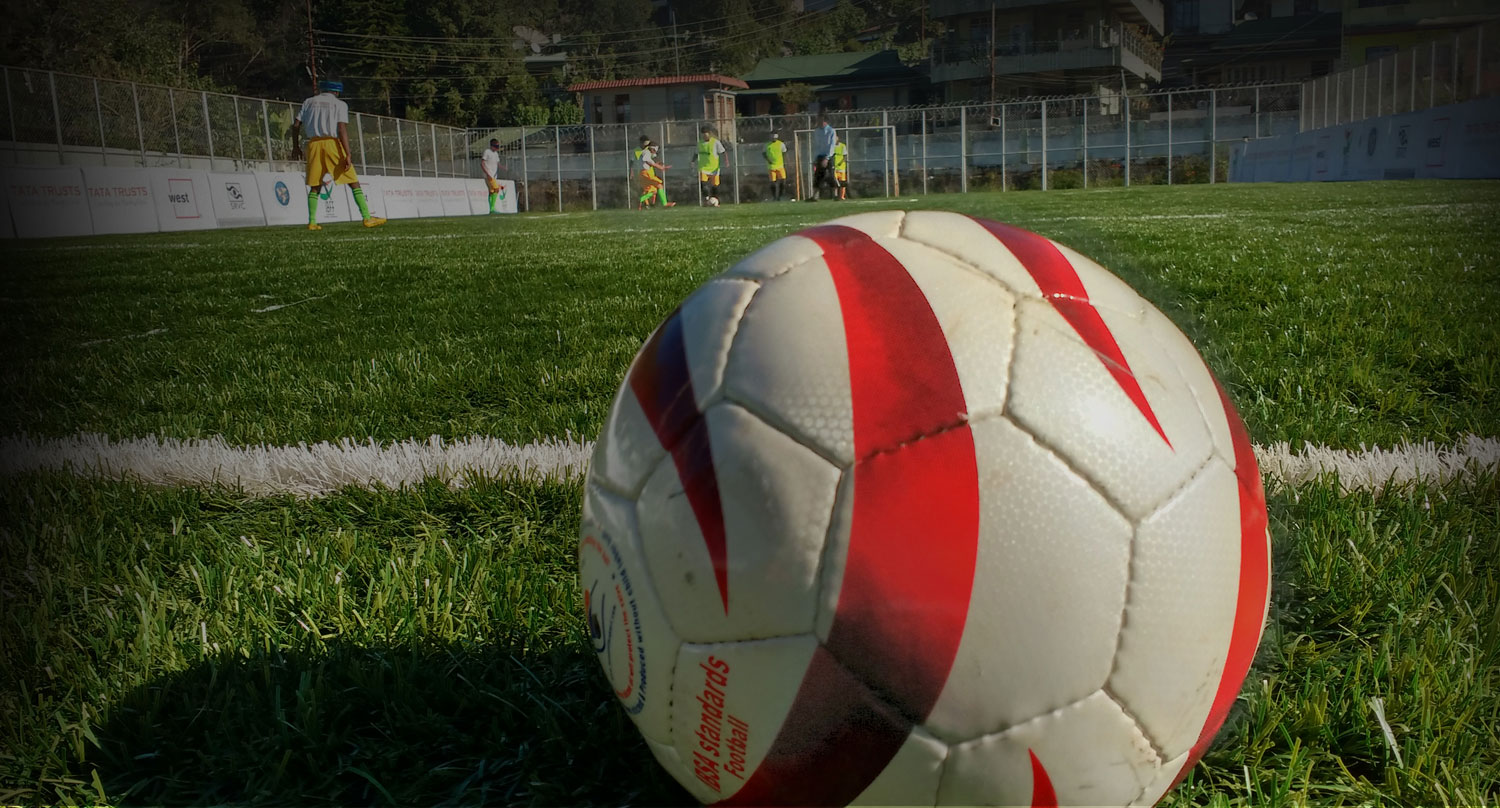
[796,95]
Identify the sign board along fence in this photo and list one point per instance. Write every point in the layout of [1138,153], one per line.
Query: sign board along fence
[56,201]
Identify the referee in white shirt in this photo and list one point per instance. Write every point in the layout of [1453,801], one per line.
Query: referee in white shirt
[325,119]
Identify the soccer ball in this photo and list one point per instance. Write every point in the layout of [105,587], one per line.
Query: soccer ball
[914,508]
[713,201]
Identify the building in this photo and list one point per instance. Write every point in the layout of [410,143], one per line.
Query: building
[1250,41]
[1010,48]
[707,96]
[1374,29]
[838,81]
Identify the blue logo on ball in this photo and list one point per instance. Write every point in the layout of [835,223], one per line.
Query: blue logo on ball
[283,194]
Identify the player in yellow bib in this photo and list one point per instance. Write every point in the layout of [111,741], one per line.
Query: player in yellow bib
[325,120]
[652,186]
[776,166]
[711,159]
[841,169]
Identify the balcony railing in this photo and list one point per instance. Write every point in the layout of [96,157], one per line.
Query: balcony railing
[1119,46]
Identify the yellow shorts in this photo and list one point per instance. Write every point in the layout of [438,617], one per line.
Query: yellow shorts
[841,176]
[778,174]
[323,158]
[494,185]
[713,178]
[649,180]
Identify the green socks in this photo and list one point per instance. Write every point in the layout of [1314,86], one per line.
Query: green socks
[493,197]
[312,205]
[364,207]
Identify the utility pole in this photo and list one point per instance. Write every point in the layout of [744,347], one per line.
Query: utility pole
[676,54]
[312,61]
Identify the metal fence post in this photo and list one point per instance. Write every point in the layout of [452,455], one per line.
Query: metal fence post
[1431,74]
[895,153]
[56,115]
[1479,59]
[99,112]
[208,130]
[1085,104]
[734,154]
[380,135]
[140,129]
[432,134]
[1125,102]
[1169,138]
[594,171]
[1379,87]
[630,166]
[1257,112]
[239,129]
[1044,144]
[400,149]
[1004,168]
[963,149]
[557,150]
[176,137]
[924,152]
[359,132]
[525,175]
[10,108]
[1453,76]
[266,122]
[1412,103]
[1213,135]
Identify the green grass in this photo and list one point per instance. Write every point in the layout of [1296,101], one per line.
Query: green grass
[192,647]
[424,646]
[1339,314]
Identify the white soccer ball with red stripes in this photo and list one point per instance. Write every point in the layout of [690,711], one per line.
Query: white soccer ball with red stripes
[914,508]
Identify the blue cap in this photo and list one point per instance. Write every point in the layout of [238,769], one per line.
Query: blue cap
[331,86]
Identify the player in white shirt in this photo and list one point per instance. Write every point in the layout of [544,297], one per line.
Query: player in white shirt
[325,120]
[490,162]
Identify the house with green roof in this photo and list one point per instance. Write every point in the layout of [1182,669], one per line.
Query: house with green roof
[838,81]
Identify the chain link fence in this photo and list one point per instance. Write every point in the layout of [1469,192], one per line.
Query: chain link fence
[1172,137]
[64,119]
[1448,70]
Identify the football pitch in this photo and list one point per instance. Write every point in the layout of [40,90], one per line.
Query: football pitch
[425,643]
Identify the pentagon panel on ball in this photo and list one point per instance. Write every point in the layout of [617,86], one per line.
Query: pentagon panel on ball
[920,509]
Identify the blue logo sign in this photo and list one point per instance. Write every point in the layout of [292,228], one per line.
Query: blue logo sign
[283,195]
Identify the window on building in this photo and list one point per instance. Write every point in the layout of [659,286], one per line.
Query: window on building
[682,105]
[598,109]
[1185,16]
[622,108]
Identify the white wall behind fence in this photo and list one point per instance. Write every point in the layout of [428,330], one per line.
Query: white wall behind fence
[1457,141]
[54,201]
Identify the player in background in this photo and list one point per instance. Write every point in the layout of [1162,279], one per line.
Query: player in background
[841,169]
[490,162]
[711,159]
[651,184]
[325,119]
[823,141]
[776,165]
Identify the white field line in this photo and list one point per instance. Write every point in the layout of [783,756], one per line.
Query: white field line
[279,306]
[153,332]
[323,468]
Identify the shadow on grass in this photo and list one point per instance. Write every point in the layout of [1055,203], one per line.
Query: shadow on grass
[372,726]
